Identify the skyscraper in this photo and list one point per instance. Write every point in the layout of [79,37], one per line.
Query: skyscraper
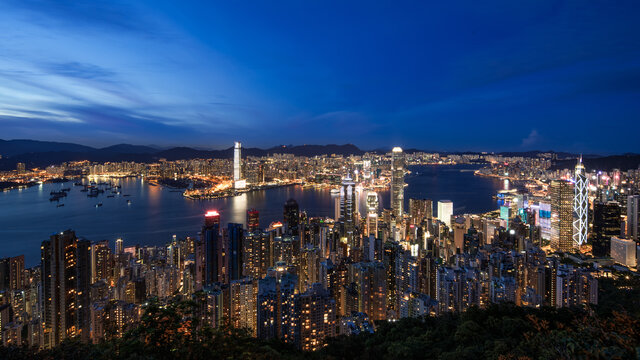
[253,220]
[580,205]
[372,214]
[238,181]
[347,208]
[633,217]
[66,278]
[119,247]
[278,313]
[445,211]
[562,194]
[292,217]
[233,252]
[213,249]
[420,209]
[397,181]
[101,261]
[606,224]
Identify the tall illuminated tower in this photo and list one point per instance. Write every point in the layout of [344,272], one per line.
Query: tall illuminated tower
[238,182]
[445,210]
[397,181]
[580,205]
[347,207]
[372,214]
[562,194]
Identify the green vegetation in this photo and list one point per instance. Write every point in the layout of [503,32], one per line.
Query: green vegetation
[505,332]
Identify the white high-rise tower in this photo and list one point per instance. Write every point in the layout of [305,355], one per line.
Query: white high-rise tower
[238,182]
[580,205]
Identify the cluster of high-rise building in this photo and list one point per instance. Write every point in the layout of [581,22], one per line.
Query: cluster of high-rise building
[305,279]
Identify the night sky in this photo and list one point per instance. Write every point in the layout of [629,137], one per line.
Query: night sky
[442,75]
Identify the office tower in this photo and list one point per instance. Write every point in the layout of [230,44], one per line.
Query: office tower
[633,217]
[238,181]
[119,247]
[278,307]
[580,205]
[214,270]
[66,278]
[253,220]
[292,217]
[317,318]
[544,220]
[606,223]
[397,181]
[101,261]
[445,211]
[366,171]
[233,251]
[561,192]
[347,208]
[372,214]
[20,167]
[623,251]
[420,209]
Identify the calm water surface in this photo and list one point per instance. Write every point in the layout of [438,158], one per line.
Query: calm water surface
[155,214]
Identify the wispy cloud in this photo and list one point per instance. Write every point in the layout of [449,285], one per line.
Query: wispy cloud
[531,139]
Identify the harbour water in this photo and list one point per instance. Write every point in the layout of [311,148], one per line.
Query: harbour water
[154,213]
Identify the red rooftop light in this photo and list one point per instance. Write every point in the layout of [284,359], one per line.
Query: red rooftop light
[211,213]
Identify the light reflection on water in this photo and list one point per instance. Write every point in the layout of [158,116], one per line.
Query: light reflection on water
[156,213]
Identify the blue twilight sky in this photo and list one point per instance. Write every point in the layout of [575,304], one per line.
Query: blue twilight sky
[445,75]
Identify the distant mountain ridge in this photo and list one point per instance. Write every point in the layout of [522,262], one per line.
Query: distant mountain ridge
[43,153]
[36,153]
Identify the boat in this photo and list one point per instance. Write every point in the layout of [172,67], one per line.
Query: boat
[60,205]
[128,202]
[98,204]
[110,196]
[78,184]
[335,191]
[126,195]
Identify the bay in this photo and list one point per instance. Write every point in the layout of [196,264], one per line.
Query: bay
[155,213]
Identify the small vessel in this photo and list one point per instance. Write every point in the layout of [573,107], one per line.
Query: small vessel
[335,191]
[78,184]
[98,204]
[128,202]
[110,196]
[126,195]
[60,205]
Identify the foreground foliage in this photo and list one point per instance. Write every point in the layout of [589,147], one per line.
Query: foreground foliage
[504,332]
